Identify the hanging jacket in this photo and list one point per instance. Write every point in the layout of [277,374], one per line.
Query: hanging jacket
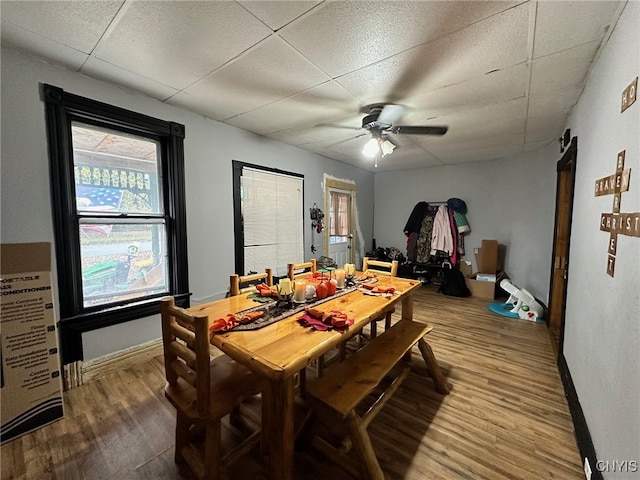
[415,219]
[441,238]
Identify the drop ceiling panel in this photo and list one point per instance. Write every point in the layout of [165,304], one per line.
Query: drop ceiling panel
[97,68]
[496,43]
[42,47]
[276,14]
[266,73]
[307,108]
[177,43]
[553,102]
[495,87]
[567,24]
[78,25]
[483,154]
[545,127]
[561,70]
[343,36]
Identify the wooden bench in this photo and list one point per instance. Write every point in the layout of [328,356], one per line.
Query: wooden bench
[335,396]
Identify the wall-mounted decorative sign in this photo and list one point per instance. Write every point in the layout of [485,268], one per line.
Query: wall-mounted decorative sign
[629,95]
[617,223]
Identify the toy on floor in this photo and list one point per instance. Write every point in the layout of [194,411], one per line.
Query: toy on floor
[520,304]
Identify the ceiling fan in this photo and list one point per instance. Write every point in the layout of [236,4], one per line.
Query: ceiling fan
[380,121]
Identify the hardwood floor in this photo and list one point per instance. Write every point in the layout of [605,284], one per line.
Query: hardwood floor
[505,418]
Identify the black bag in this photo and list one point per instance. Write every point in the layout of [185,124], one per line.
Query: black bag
[454,283]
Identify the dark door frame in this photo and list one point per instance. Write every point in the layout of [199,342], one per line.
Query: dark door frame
[566,163]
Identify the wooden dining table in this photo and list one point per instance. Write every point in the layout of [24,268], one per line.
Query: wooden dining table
[280,350]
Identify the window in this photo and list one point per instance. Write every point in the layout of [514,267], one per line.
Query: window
[339,229]
[119,214]
[268,218]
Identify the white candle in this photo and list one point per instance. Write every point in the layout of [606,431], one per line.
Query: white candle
[350,269]
[284,287]
[340,278]
[299,291]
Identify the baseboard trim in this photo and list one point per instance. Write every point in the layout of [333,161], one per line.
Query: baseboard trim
[81,372]
[583,437]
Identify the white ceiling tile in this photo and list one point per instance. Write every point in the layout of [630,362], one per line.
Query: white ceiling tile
[482,154]
[276,14]
[78,25]
[103,70]
[200,105]
[177,43]
[545,128]
[42,47]
[533,146]
[552,102]
[493,44]
[567,24]
[495,87]
[343,36]
[307,108]
[268,72]
[564,69]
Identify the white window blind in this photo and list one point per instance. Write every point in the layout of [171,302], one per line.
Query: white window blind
[272,215]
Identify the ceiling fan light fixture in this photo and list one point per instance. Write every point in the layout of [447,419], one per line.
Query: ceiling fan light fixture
[371,148]
[387,147]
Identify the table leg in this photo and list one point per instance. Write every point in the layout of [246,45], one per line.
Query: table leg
[434,369]
[278,427]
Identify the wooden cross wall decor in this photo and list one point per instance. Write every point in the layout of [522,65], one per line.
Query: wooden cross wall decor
[617,223]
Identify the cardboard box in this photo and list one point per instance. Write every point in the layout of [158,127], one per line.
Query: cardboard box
[483,289]
[490,256]
[29,361]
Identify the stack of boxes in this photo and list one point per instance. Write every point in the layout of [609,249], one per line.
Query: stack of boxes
[484,283]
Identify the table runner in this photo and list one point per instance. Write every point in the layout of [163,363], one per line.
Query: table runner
[277,310]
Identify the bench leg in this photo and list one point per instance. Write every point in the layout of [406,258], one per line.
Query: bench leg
[361,441]
[434,369]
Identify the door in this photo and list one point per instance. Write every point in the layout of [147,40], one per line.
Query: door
[562,236]
[340,231]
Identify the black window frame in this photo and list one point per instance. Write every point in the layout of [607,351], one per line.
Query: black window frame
[238,224]
[63,108]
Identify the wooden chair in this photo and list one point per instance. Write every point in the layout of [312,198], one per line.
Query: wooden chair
[244,283]
[381,268]
[202,390]
[308,269]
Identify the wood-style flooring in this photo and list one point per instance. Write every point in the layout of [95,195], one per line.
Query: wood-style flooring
[505,418]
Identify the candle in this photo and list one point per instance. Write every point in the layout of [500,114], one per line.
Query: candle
[340,278]
[300,287]
[350,269]
[284,287]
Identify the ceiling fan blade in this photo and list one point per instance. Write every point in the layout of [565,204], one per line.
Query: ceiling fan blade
[418,130]
[335,125]
[391,114]
[348,139]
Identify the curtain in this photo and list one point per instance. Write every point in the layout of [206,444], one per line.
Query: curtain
[339,217]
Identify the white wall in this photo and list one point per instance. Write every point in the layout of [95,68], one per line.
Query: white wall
[602,335]
[511,200]
[210,147]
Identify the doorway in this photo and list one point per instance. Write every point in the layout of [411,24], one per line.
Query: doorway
[340,201]
[565,168]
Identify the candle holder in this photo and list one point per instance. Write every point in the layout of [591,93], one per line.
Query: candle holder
[349,280]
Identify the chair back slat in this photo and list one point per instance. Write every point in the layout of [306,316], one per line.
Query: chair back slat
[239,284]
[189,361]
[308,268]
[380,267]
[185,372]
